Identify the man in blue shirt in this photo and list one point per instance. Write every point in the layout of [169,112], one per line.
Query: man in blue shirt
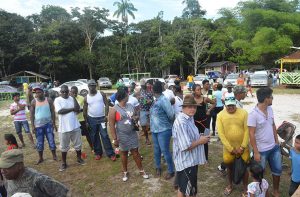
[161,121]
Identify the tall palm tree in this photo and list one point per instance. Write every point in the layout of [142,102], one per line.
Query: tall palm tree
[125,8]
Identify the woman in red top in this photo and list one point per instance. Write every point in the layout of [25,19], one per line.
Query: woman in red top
[10,141]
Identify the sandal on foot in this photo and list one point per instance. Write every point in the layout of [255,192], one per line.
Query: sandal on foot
[227,191]
[244,194]
[125,177]
[144,175]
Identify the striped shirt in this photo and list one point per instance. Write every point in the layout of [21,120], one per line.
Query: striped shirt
[184,134]
[21,115]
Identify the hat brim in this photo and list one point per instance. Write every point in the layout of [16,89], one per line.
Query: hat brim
[189,105]
[34,89]
[230,103]
[5,164]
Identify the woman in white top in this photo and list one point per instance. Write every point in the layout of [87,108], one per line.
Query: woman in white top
[178,100]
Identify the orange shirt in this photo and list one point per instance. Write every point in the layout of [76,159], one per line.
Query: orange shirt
[240,81]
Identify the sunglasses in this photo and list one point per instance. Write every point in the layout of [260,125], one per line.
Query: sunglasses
[65,91]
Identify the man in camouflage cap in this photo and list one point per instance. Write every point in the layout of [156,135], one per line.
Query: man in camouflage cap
[27,180]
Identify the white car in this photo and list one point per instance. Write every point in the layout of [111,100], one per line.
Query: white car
[260,80]
[126,82]
[231,78]
[199,78]
[170,77]
[83,89]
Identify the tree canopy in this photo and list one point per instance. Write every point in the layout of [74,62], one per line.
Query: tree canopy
[74,45]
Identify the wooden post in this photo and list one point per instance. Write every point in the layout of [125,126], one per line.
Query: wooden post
[281,66]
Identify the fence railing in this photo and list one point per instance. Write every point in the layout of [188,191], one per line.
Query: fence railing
[289,78]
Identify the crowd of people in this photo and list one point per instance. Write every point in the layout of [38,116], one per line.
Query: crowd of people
[190,120]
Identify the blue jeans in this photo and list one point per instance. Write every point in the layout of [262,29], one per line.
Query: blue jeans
[273,157]
[161,142]
[97,125]
[20,124]
[45,130]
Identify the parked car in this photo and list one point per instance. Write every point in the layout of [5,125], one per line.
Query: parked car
[170,83]
[170,77]
[126,82]
[199,78]
[4,83]
[8,89]
[82,87]
[104,82]
[231,78]
[83,80]
[260,80]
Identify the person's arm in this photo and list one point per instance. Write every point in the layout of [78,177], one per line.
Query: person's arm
[106,104]
[14,111]
[275,133]
[267,193]
[85,109]
[245,142]
[112,125]
[52,110]
[60,110]
[169,110]
[51,187]
[213,104]
[76,106]
[32,115]
[184,141]
[252,131]
[222,136]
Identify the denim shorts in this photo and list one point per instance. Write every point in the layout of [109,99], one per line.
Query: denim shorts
[144,118]
[273,157]
[20,124]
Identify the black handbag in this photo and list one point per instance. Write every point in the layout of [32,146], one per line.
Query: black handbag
[239,170]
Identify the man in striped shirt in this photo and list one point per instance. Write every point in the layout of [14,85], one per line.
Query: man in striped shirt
[17,109]
[188,149]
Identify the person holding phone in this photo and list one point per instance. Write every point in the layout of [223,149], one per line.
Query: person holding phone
[188,148]
[202,117]
[233,132]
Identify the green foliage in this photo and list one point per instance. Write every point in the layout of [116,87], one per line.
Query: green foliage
[192,9]
[124,8]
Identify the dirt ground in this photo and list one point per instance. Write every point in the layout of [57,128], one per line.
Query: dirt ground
[103,178]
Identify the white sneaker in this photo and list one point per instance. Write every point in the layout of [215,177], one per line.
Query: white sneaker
[125,177]
[144,175]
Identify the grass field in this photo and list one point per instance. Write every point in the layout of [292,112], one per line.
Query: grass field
[103,178]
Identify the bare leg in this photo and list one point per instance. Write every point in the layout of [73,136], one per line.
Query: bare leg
[21,139]
[229,175]
[179,194]
[124,158]
[144,128]
[41,159]
[276,180]
[137,158]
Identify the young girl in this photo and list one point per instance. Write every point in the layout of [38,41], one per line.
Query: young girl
[10,141]
[259,186]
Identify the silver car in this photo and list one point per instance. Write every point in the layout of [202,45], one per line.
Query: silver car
[104,82]
[231,78]
[260,80]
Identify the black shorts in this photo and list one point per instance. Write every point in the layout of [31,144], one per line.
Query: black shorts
[187,181]
[84,129]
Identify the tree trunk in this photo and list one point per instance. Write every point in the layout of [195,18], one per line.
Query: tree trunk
[121,46]
[127,58]
[195,66]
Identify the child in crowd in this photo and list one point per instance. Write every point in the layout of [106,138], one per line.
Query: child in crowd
[295,159]
[259,186]
[10,141]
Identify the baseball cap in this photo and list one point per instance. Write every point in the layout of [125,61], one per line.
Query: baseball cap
[38,87]
[230,101]
[10,158]
[92,82]
[229,85]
